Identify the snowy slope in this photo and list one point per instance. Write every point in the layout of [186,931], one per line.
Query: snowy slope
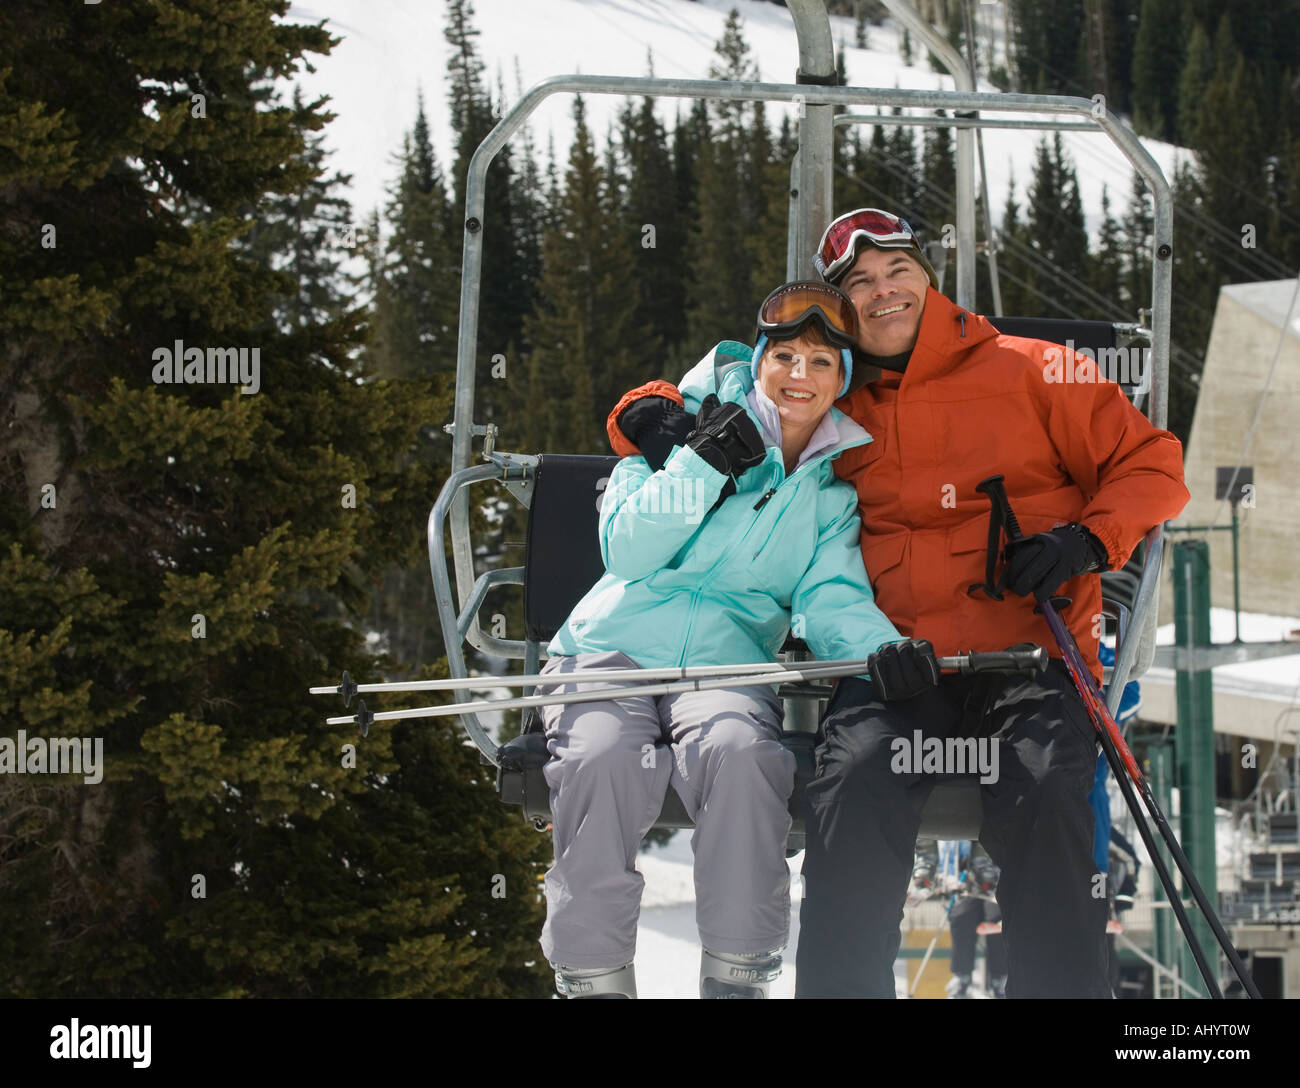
[393,48]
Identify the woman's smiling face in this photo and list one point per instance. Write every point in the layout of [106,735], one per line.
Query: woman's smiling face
[802,377]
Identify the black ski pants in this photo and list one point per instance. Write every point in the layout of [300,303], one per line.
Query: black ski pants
[862,821]
[967,914]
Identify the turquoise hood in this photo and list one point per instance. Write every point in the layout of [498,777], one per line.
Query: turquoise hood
[686,586]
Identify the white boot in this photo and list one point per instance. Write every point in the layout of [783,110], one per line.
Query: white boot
[738,975]
[595,981]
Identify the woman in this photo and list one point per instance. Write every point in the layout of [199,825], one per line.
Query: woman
[744,533]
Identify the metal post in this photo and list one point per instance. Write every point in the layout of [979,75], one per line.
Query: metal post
[1236,581]
[1167,943]
[931,39]
[1195,729]
[816,133]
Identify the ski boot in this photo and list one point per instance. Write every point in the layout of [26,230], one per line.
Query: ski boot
[998,987]
[738,974]
[595,981]
[983,873]
[923,872]
[959,987]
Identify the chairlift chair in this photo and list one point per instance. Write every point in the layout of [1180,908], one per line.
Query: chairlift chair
[563,560]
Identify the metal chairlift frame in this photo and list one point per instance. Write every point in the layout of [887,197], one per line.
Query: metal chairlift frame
[810,211]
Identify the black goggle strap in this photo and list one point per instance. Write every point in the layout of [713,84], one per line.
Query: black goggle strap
[787,329]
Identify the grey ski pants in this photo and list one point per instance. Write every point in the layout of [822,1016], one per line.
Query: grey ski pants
[611,765]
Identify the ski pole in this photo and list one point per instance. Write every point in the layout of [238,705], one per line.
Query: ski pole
[1002,661]
[916,981]
[1034,660]
[1121,760]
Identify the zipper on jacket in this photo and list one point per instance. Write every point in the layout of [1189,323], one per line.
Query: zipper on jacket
[763,501]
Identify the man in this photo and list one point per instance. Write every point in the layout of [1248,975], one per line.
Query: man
[953,402]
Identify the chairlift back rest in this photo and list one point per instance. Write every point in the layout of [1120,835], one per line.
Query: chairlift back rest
[1096,336]
[562,557]
[563,561]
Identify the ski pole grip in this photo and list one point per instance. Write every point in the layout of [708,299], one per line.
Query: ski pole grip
[1025,661]
[997,493]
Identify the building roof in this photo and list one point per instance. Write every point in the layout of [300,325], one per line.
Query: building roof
[1273,300]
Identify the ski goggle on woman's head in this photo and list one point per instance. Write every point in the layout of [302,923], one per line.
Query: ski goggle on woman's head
[845,237]
[793,308]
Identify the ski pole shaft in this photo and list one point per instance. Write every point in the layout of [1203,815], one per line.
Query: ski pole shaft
[996,661]
[916,980]
[627,691]
[1121,759]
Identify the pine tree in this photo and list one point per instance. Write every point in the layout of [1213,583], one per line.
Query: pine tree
[939,180]
[903,170]
[654,218]
[1014,275]
[1137,231]
[186,584]
[730,209]
[1108,263]
[1047,38]
[1157,61]
[872,170]
[1196,281]
[503,298]
[1197,72]
[1055,211]
[304,234]
[1231,150]
[420,276]
[587,347]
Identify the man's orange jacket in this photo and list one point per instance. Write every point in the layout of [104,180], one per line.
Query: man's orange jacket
[970,404]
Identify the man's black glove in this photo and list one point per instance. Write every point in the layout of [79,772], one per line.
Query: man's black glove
[903,670]
[656,425]
[1042,563]
[726,437]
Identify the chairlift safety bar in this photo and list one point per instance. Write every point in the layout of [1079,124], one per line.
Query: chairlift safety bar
[1134,654]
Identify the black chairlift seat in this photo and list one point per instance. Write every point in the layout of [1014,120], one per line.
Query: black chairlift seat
[1100,339]
[563,561]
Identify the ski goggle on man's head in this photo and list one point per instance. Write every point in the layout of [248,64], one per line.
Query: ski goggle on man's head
[845,237]
[792,307]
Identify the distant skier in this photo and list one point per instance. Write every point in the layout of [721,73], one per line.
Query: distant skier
[939,866]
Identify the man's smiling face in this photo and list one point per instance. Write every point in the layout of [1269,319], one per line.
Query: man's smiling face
[888,290]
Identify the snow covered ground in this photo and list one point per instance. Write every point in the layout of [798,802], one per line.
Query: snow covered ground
[667,942]
[393,48]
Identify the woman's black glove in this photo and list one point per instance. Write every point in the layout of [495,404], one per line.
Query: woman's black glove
[656,425]
[726,437]
[903,670]
[1042,563]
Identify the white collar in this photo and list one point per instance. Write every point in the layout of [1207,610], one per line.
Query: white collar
[824,436]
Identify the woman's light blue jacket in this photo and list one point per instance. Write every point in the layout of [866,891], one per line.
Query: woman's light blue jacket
[685,586]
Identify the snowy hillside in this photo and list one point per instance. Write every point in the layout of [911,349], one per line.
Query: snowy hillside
[392,49]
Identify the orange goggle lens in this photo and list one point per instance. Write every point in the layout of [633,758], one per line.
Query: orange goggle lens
[790,307]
